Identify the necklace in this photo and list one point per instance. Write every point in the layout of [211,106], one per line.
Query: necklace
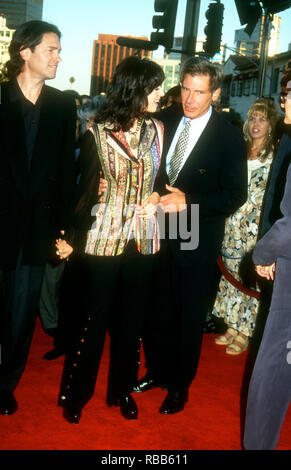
[134,140]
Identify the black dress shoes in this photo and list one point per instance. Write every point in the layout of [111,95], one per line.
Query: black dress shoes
[71,414]
[147,383]
[127,405]
[8,404]
[174,402]
[53,354]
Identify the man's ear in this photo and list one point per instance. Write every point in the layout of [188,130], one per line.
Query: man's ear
[216,94]
[25,53]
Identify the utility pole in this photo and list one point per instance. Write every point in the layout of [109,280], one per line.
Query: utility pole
[268,17]
[190,28]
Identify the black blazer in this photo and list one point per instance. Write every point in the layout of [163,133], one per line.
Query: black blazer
[214,176]
[34,204]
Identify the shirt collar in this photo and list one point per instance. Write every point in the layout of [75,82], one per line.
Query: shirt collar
[17,95]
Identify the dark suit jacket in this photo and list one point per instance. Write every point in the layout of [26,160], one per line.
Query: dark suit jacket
[276,184]
[214,176]
[276,246]
[34,204]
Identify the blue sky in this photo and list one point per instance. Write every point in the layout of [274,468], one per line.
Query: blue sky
[80,22]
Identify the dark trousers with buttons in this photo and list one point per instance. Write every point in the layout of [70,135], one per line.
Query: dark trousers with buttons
[131,317]
[19,297]
[113,289]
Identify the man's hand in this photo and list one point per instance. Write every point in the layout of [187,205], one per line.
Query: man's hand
[174,202]
[266,271]
[149,207]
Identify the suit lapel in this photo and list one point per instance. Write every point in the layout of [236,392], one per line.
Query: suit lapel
[200,152]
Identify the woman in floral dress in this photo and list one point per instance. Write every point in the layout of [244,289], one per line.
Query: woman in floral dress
[233,301]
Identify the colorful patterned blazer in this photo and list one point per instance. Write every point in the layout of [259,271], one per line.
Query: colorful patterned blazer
[130,181]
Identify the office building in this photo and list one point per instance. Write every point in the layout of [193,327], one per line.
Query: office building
[17,12]
[106,56]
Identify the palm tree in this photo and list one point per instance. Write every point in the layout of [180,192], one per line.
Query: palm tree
[72,80]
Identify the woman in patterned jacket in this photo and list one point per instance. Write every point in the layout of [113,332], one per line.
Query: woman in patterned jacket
[113,239]
[237,300]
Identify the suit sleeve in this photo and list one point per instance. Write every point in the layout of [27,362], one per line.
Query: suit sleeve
[276,242]
[68,164]
[86,192]
[231,189]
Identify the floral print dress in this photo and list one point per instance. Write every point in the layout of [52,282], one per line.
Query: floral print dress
[238,309]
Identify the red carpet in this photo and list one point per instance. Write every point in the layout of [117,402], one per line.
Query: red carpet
[211,419]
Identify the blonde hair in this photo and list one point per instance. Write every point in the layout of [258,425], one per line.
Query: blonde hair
[269,110]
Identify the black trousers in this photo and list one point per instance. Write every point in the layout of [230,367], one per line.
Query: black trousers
[20,292]
[115,295]
[184,319]
[50,293]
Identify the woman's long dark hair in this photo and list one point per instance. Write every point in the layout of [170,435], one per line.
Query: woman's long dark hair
[27,35]
[133,80]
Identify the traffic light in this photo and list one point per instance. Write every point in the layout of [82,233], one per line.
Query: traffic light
[249,12]
[166,21]
[213,29]
[274,6]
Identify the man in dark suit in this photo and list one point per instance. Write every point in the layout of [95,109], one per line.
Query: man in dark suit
[269,391]
[37,127]
[204,163]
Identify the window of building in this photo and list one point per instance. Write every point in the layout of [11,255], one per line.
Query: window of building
[247,87]
[233,89]
[255,86]
[240,88]
[108,61]
[275,80]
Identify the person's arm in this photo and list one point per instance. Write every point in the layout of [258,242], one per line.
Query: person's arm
[68,162]
[86,193]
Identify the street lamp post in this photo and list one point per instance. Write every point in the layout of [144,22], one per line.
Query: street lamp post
[190,28]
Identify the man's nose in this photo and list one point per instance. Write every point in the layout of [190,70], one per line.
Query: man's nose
[191,97]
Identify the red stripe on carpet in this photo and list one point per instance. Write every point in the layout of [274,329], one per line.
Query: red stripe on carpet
[211,419]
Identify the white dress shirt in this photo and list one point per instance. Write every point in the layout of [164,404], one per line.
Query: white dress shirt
[196,129]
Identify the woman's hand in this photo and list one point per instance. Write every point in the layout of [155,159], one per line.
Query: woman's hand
[266,271]
[102,185]
[149,207]
[63,248]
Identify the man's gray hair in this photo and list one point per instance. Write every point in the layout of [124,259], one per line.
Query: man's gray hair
[200,66]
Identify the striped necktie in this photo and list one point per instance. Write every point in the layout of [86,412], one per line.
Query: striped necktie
[178,154]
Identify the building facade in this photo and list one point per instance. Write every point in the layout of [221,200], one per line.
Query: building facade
[19,11]
[171,68]
[241,77]
[5,39]
[106,56]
